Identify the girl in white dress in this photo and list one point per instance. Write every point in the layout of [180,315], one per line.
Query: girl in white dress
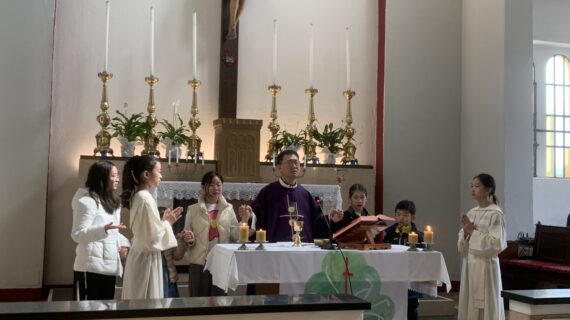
[151,235]
[481,239]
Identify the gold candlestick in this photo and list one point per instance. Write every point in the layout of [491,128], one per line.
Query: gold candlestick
[311,145]
[103,138]
[194,123]
[349,149]
[151,139]
[273,143]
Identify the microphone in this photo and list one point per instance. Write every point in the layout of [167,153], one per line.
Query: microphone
[330,245]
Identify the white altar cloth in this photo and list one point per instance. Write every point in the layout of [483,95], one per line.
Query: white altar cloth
[231,267]
[168,190]
[291,267]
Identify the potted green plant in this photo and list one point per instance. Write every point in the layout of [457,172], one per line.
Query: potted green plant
[330,140]
[173,137]
[129,130]
[292,141]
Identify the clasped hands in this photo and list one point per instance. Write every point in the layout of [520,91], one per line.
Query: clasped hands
[245,213]
[467,225]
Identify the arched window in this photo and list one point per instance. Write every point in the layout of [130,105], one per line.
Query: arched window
[557,117]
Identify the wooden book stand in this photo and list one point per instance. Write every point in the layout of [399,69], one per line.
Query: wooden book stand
[358,234]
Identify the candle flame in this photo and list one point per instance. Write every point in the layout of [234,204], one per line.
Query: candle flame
[413,233]
[428,228]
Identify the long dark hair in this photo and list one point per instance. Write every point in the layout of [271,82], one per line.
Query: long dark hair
[488,182]
[356,187]
[207,180]
[98,185]
[132,176]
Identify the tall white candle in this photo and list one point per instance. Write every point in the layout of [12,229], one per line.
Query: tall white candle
[107,12]
[347,59]
[274,51]
[311,55]
[177,153]
[195,44]
[152,40]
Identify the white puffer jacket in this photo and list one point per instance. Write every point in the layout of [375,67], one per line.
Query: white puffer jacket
[97,250]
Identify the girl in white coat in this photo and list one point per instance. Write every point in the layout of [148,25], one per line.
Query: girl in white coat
[210,221]
[96,224]
[151,235]
[481,239]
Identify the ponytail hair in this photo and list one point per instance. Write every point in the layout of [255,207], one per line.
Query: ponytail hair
[133,175]
[98,180]
[489,183]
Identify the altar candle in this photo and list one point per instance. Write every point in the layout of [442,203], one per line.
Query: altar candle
[195,44]
[152,40]
[202,159]
[413,238]
[260,235]
[177,153]
[273,160]
[195,157]
[107,13]
[305,162]
[243,232]
[428,235]
[169,155]
[275,51]
[311,55]
[347,59]
[174,113]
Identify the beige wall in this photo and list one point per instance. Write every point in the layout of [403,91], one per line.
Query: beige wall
[79,51]
[422,115]
[25,90]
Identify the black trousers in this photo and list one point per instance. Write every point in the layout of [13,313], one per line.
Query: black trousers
[200,282]
[93,286]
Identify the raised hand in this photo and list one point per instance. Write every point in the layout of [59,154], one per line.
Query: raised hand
[336,215]
[172,215]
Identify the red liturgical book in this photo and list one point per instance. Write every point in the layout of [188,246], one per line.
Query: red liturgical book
[359,230]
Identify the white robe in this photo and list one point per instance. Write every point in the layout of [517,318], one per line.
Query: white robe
[479,296]
[143,272]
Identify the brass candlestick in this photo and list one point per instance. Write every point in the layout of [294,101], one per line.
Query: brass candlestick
[311,145]
[151,139]
[103,138]
[194,123]
[349,149]
[273,143]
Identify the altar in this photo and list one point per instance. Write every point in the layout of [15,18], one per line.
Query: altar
[381,277]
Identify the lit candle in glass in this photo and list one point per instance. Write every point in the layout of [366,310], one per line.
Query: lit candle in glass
[243,232]
[260,236]
[413,238]
[428,235]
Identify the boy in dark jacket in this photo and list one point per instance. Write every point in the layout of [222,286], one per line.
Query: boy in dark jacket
[398,234]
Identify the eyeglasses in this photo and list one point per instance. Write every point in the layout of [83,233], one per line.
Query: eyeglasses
[292,162]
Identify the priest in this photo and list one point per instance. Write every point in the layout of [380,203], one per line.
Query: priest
[272,204]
